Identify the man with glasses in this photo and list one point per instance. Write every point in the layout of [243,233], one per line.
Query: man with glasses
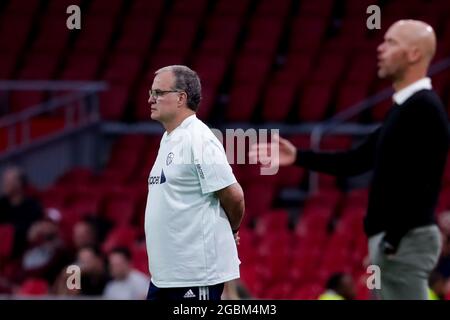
[194,204]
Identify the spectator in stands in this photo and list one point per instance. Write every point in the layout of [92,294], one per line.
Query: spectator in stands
[93,272]
[84,234]
[437,286]
[60,287]
[407,154]
[46,253]
[127,283]
[340,286]
[17,208]
[90,231]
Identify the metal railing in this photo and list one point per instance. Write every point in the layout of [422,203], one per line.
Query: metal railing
[81,99]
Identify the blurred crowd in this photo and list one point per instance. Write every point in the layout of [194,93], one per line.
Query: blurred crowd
[36,260]
[34,257]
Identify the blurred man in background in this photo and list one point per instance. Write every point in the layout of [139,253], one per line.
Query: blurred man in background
[408,155]
[93,272]
[89,232]
[194,203]
[340,286]
[84,234]
[17,208]
[46,254]
[127,283]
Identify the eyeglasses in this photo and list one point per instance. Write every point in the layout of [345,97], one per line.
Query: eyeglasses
[159,93]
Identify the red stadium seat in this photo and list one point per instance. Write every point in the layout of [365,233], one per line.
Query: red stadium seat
[123,68]
[6,245]
[58,6]
[259,199]
[331,67]
[353,28]
[139,258]
[54,197]
[97,38]
[221,34]
[349,95]
[290,176]
[269,8]
[193,8]
[119,208]
[84,200]
[178,35]
[234,8]
[34,287]
[264,35]
[296,70]
[278,102]
[243,100]
[113,102]
[246,247]
[307,34]
[106,7]
[145,8]
[123,236]
[16,6]
[272,222]
[7,64]
[314,102]
[251,68]
[76,176]
[355,8]
[362,70]
[81,66]
[21,24]
[137,34]
[316,9]
[53,36]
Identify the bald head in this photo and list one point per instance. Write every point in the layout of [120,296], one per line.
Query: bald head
[407,49]
[417,35]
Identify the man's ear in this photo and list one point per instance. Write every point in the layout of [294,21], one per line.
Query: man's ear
[414,55]
[182,98]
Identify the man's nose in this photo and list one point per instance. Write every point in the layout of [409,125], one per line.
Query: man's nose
[380,48]
[151,100]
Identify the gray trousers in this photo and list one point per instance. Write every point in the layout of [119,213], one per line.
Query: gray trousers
[404,276]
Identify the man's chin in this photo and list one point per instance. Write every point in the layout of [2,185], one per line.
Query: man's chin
[382,74]
[153,116]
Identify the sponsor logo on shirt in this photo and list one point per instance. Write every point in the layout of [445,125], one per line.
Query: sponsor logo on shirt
[157,179]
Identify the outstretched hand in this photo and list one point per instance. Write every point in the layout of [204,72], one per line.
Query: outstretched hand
[285,153]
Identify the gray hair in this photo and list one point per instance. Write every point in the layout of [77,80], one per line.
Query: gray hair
[188,81]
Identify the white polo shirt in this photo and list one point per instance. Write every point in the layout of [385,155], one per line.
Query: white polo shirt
[188,235]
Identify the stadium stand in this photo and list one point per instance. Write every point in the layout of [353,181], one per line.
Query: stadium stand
[296,62]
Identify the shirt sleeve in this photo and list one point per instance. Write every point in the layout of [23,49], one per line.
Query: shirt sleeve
[211,164]
[342,163]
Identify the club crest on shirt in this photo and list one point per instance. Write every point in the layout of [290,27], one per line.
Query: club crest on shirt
[169,158]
